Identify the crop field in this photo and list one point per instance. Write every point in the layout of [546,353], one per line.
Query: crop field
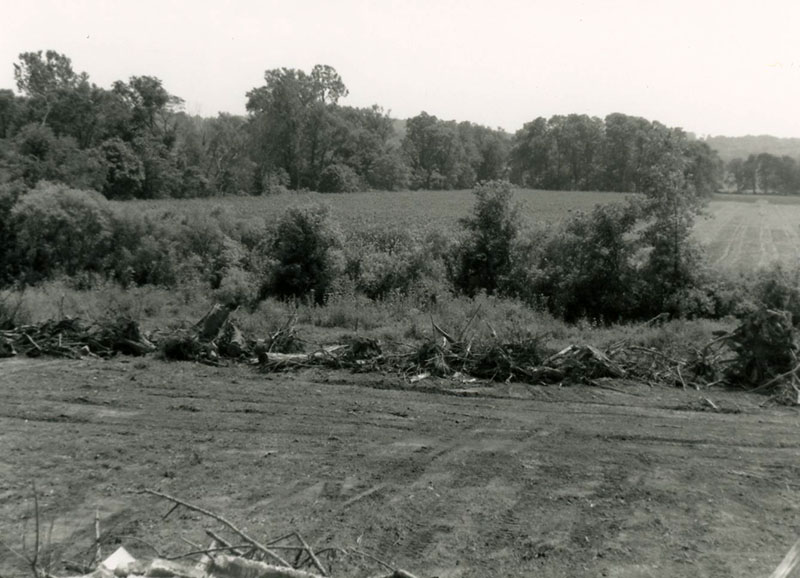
[739,232]
[742,236]
[411,210]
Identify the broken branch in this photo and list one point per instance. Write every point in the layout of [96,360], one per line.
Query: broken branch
[222,520]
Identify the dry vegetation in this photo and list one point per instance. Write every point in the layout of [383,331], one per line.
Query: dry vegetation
[551,508]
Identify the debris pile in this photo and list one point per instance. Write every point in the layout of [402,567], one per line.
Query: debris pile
[74,338]
[216,337]
[289,556]
[760,354]
[357,353]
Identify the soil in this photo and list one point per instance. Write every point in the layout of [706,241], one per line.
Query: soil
[440,478]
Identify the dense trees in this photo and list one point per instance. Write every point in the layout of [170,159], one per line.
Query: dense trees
[450,155]
[133,140]
[578,152]
[764,173]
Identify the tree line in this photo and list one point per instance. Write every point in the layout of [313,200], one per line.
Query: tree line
[764,173]
[134,140]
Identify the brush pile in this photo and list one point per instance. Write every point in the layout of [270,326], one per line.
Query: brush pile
[216,338]
[760,354]
[238,555]
[74,338]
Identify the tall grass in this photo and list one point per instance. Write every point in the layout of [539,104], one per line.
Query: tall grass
[396,320]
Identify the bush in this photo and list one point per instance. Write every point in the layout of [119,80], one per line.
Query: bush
[779,288]
[9,194]
[142,252]
[339,178]
[303,249]
[483,260]
[275,182]
[389,172]
[60,230]
[238,287]
[587,268]
[42,156]
[125,170]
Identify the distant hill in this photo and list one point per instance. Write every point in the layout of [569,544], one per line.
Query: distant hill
[731,147]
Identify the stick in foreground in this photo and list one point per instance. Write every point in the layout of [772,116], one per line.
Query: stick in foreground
[222,520]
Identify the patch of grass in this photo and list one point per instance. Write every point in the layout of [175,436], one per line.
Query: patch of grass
[151,306]
[413,211]
[396,320]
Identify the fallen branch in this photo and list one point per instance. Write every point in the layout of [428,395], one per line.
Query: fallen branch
[789,562]
[311,555]
[214,536]
[222,520]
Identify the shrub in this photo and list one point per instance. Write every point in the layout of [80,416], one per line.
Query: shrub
[303,248]
[9,194]
[125,170]
[483,260]
[60,230]
[43,156]
[339,178]
[275,182]
[142,252]
[237,287]
[779,288]
[587,268]
[389,172]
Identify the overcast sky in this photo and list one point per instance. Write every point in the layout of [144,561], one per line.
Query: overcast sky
[727,67]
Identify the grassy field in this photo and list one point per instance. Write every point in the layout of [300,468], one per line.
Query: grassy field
[411,210]
[739,232]
[747,234]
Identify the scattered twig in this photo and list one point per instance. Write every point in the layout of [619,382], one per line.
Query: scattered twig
[680,377]
[789,562]
[777,378]
[202,551]
[222,520]
[214,536]
[98,553]
[311,555]
[463,332]
[148,544]
[373,558]
[35,560]
[172,509]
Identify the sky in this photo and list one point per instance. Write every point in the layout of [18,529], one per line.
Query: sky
[711,67]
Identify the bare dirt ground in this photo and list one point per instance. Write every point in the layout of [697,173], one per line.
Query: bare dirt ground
[504,481]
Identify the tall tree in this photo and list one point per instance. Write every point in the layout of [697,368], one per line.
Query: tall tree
[41,77]
[293,121]
[436,154]
[151,106]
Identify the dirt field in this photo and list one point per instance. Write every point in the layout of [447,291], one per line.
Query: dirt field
[509,481]
[743,236]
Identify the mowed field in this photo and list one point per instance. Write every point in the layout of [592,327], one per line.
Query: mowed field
[739,232]
[746,234]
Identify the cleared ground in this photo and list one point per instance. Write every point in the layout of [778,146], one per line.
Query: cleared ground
[513,481]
